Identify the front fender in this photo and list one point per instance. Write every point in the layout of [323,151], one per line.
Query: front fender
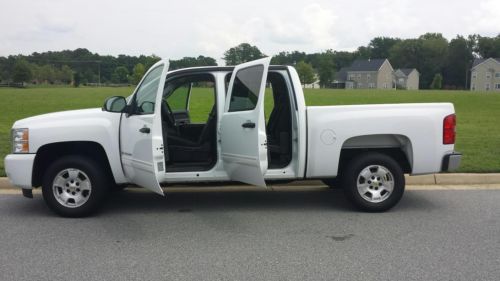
[99,126]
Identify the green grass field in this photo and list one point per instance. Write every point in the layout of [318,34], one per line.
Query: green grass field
[478,113]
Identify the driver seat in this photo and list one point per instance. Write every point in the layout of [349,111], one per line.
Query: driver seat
[182,149]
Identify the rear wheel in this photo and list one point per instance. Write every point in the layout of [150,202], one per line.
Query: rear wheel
[373,182]
[74,186]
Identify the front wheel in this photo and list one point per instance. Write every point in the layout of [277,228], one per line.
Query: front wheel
[74,186]
[373,182]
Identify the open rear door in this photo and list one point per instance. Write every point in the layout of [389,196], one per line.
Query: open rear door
[141,136]
[242,126]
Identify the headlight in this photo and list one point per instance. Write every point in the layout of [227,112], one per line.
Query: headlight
[20,141]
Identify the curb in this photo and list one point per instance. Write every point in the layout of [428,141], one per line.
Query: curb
[434,179]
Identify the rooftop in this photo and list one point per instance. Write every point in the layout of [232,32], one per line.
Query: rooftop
[480,61]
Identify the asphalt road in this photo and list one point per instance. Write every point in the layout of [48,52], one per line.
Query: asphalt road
[287,235]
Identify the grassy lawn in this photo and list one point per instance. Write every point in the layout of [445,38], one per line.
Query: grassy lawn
[478,114]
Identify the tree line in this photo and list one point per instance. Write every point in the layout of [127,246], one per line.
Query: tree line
[431,54]
[81,66]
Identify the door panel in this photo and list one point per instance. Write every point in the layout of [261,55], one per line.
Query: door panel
[242,127]
[141,140]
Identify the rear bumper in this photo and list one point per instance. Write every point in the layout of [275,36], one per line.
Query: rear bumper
[451,162]
[19,169]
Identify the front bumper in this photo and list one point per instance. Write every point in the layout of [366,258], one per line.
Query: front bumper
[451,162]
[19,169]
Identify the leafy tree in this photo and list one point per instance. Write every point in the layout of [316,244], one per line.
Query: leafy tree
[434,54]
[192,62]
[206,61]
[244,52]
[343,59]
[458,63]
[288,58]
[137,73]
[89,76]
[120,75]
[437,82]
[65,74]
[21,71]
[326,68]
[148,61]
[76,79]
[363,52]
[306,72]
[427,54]
[406,54]
[380,47]
[488,47]
[47,74]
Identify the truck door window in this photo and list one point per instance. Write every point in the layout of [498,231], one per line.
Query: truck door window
[145,97]
[246,89]
[179,97]
[201,100]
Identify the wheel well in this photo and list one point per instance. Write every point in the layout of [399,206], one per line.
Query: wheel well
[395,153]
[48,153]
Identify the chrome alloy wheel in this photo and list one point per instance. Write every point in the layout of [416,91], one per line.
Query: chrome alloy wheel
[72,188]
[375,183]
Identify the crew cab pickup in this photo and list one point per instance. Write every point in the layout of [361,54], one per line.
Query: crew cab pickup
[209,124]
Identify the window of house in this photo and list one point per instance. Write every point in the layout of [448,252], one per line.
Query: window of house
[497,86]
[497,75]
[372,85]
[487,86]
[368,76]
[474,75]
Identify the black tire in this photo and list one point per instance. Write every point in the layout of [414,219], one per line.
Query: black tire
[332,183]
[99,182]
[372,159]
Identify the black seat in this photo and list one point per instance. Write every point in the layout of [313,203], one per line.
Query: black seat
[183,149]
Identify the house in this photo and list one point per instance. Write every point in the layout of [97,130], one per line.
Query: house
[485,75]
[313,85]
[367,74]
[407,78]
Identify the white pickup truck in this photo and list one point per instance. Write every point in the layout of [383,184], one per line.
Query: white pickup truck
[151,139]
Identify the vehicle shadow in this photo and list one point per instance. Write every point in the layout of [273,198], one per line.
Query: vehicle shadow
[260,201]
[131,201]
[207,201]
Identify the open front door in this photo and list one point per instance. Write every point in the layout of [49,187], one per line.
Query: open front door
[242,126]
[141,138]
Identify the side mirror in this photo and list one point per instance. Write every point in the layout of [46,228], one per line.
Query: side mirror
[115,104]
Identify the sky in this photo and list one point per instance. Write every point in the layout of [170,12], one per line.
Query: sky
[174,29]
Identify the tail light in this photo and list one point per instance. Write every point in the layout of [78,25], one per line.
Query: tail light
[449,131]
